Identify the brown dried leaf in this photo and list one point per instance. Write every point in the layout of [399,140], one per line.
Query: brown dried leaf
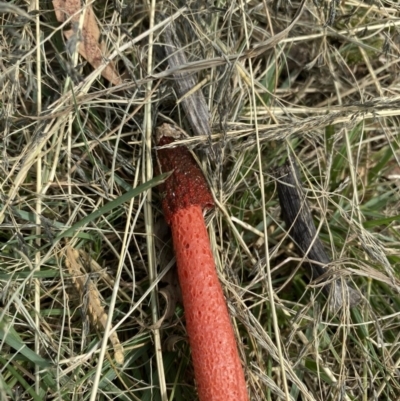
[89,47]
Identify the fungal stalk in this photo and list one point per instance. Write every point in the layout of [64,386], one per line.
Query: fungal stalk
[218,371]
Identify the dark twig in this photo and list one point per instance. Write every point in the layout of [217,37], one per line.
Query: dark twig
[298,219]
[194,104]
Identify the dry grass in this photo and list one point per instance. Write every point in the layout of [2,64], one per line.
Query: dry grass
[73,145]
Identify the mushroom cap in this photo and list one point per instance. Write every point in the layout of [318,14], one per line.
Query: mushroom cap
[187,185]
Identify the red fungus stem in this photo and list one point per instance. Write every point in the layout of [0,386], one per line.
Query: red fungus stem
[218,371]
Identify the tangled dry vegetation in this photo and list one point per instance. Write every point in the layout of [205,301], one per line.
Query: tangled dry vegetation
[84,254]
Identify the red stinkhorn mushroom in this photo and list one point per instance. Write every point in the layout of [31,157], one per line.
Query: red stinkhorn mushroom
[218,371]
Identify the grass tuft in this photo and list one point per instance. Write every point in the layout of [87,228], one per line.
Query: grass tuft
[76,171]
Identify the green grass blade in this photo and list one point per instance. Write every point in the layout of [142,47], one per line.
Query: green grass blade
[126,197]
[11,338]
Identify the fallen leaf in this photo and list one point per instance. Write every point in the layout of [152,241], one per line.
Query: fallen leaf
[89,46]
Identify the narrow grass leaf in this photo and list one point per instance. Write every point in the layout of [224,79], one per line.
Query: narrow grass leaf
[381,222]
[15,373]
[126,197]
[11,338]
[21,275]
